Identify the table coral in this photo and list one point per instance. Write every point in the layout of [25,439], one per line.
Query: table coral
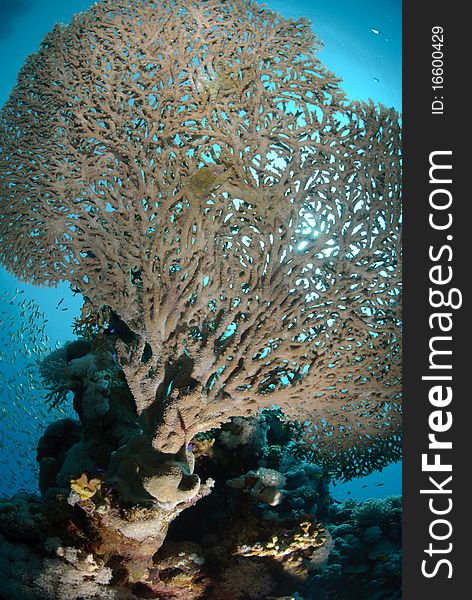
[237,213]
[233,223]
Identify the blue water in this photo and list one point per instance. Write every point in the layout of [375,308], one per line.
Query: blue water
[362,45]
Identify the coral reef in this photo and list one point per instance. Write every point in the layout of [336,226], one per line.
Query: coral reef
[366,551]
[233,223]
[79,542]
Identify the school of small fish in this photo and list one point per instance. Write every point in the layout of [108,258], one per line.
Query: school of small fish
[23,413]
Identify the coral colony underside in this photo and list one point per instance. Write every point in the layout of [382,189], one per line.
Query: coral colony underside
[233,223]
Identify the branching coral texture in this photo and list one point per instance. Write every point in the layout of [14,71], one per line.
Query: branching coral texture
[192,165]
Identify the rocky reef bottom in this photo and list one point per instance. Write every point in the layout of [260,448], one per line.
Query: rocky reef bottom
[265,529]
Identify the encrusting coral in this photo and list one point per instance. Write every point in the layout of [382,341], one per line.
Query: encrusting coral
[289,547]
[233,222]
[85,488]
